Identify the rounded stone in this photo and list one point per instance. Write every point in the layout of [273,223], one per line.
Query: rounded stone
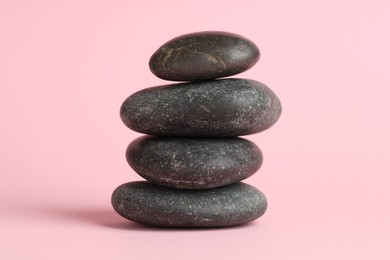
[203,56]
[193,163]
[218,108]
[146,203]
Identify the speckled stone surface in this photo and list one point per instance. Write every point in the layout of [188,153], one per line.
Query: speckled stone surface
[226,107]
[150,204]
[193,163]
[203,56]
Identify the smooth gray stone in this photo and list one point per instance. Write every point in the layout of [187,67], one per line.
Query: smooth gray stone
[203,56]
[226,107]
[193,163]
[150,204]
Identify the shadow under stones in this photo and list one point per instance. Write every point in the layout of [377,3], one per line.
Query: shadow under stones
[110,219]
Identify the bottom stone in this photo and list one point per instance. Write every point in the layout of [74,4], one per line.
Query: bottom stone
[150,204]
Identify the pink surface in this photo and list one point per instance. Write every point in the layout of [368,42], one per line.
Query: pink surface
[66,67]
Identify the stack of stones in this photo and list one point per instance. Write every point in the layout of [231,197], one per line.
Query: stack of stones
[191,157]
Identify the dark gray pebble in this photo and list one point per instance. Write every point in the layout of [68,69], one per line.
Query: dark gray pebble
[150,204]
[204,56]
[227,107]
[193,163]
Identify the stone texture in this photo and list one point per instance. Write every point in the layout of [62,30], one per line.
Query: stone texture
[193,163]
[150,204]
[203,56]
[218,108]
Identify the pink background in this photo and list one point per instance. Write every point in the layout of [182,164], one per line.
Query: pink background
[66,67]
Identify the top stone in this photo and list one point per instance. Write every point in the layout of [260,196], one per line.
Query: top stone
[204,56]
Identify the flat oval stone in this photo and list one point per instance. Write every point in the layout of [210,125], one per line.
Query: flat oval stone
[150,204]
[203,56]
[193,163]
[226,107]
